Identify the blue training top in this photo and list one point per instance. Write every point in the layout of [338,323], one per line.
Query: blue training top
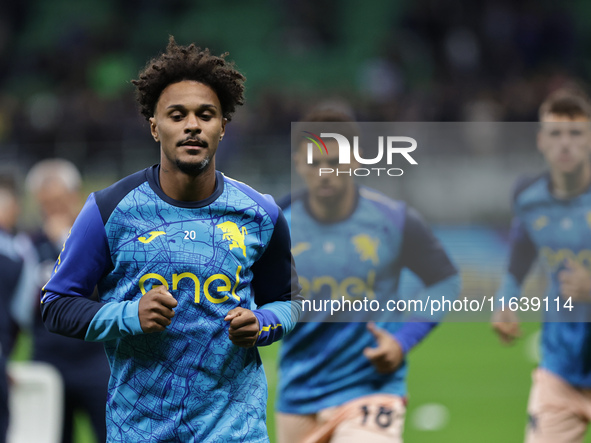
[553,229]
[188,383]
[322,364]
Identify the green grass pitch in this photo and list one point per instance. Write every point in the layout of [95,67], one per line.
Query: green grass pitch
[479,387]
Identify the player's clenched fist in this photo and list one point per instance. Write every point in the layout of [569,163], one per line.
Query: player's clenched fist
[506,325]
[575,282]
[388,355]
[156,309]
[244,327]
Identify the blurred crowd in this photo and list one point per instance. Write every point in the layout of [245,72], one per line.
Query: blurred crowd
[65,67]
[65,91]
[28,258]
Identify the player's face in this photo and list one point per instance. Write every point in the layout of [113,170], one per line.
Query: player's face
[188,123]
[56,200]
[565,142]
[10,210]
[326,188]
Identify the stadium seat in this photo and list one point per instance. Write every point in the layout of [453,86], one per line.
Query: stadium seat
[36,403]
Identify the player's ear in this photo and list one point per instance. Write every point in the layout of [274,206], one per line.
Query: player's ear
[154,128]
[354,162]
[588,136]
[299,159]
[224,121]
[540,141]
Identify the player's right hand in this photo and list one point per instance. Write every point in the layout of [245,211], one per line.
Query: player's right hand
[156,309]
[388,355]
[506,325]
[575,282]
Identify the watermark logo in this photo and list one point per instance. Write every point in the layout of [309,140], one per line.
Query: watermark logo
[388,147]
[316,143]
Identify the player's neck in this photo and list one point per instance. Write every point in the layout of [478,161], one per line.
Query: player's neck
[184,187]
[572,184]
[335,211]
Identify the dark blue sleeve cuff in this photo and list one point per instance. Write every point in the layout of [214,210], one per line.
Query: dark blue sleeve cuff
[413,333]
[69,316]
[270,327]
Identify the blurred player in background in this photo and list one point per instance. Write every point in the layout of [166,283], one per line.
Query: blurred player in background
[179,252]
[552,219]
[345,382]
[13,283]
[10,268]
[55,185]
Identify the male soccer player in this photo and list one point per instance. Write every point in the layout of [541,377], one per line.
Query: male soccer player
[55,185]
[178,252]
[552,215]
[345,382]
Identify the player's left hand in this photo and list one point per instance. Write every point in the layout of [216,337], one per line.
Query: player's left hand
[388,355]
[244,327]
[506,325]
[575,282]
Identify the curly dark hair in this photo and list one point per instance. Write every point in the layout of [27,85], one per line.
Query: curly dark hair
[180,63]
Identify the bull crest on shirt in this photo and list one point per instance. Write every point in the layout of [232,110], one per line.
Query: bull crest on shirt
[235,235]
[366,247]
